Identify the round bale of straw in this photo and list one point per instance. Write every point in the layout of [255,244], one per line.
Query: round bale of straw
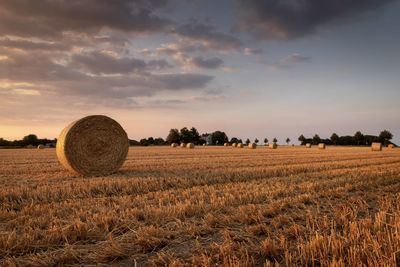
[174,145]
[190,145]
[183,145]
[321,146]
[376,146]
[226,144]
[308,145]
[252,146]
[93,146]
[390,146]
[273,146]
[240,145]
[40,146]
[204,144]
[234,145]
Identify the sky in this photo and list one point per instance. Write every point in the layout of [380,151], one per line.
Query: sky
[254,69]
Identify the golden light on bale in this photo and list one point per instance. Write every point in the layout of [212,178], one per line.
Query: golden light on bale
[40,146]
[273,146]
[174,145]
[308,145]
[252,146]
[204,144]
[190,145]
[390,146]
[240,145]
[226,144]
[183,145]
[234,144]
[93,146]
[376,146]
[321,146]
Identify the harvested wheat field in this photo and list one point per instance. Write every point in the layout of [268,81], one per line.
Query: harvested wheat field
[204,207]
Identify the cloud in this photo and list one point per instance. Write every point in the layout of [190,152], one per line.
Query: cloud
[290,61]
[251,51]
[106,63]
[210,63]
[288,19]
[51,18]
[31,45]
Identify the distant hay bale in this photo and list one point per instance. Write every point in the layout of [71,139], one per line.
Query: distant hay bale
[204,144]
[240,145]
[183,145]
[40,146]
[321,146]
[376,146]
[390,146]
[190,145]
[273,146]
[30,146]
[292,144]
[234,144]
[252,146]
[174,145]
[308,145]
[93,146]
[226,144]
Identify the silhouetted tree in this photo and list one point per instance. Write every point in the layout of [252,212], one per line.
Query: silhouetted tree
[173,136]
[265,140]
[334,139]
[30,139]
[287,140]
[385,136]
[256,141]
[316,139]
[359,138]
[219,137]
[302,139]
[247,141]
[159,141]
[194,136]
[144,142]
[234,140]
[275,140]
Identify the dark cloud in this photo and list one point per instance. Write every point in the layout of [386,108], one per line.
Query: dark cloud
[209,36]
[210,63]
[46,18]
[31,45]
[287,19]
[103,63]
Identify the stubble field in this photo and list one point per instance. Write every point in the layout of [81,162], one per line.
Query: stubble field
[205,206]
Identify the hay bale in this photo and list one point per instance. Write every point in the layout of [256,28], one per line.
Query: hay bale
[240,145]
[174,145]
[30,146]
[183,145]
[376,146]
[390,146]
[234,144]
[321,146]
[273,146]
[226,144]
[204,144]
[40,146]
[190,145]
[93,146]
[308,145]
[252,146]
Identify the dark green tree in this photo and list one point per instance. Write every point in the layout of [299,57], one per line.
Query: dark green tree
[219,138]
[385,136]
[235,140]
[287,140]
[256,141]
[302,139]
[173,136]
[265,140]
[30,139]
[194,136]
[247,141]
[275,140]
[316,139]
[359,138]
[335,139]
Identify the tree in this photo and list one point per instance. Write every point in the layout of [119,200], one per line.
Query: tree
[302,139]
[173,136]
[275,140]
[256,141]
[150,141]
[335,139]
[385,136]
[159,141]
[30,139]
[247,141]
[265,140]
[287,140]
[235,140]
[359,138]
[185,135]
[144,142]
[219,137]
[316,139]
[194,136]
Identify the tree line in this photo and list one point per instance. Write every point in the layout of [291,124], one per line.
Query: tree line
[192,135]
[358,139]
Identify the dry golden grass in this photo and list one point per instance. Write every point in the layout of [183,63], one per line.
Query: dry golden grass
[203,207]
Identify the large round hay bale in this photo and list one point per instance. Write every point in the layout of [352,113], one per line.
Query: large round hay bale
[240,145]
[390,146]
[252,146]
[273,146]
[234,144]
[40,146]
[204,144]
[174,145]
[308,145]
[321,146]
[376,146]
[190,145]
[93,146]
[226,144]
[183,145]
